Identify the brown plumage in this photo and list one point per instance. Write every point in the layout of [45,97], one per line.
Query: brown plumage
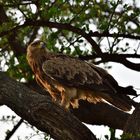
[69,79]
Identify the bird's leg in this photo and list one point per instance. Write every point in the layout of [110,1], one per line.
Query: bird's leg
[68,95]
[54,96]
[65,101]
[74,103]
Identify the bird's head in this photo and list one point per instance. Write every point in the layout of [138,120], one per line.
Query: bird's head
[37,45]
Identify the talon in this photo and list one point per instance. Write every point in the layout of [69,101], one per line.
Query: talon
[74,103]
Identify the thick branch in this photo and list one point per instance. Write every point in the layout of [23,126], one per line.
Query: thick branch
[19,98]
[119,58]
[101,114]
[41,112]
[122,60]
[111,56]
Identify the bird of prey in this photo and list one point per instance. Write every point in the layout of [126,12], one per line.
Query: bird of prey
[69,79]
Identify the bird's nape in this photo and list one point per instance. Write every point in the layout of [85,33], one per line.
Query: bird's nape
[38,44]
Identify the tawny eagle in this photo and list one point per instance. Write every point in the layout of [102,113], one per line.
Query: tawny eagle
[70,79]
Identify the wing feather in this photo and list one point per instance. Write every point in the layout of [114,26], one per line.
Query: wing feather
[74,72]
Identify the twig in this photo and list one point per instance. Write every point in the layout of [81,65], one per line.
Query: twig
[11,133]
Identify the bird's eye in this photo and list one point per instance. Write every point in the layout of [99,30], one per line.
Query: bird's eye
[35,43]
[42,44]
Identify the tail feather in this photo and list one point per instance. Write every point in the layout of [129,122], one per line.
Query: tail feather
[119,103]
[121,99]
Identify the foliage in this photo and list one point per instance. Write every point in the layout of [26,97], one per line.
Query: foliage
[110,24]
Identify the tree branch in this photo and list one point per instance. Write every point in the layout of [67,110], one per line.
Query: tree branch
[119,58]
[10,134]
[64,26]
[41,112]
[13,40]
[101,114]
[107,34]
[32,107]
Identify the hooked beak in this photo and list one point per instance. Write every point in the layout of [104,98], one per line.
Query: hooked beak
[42,44]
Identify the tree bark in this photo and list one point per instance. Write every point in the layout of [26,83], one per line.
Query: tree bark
[39,110]
[101,114]
[132,127]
